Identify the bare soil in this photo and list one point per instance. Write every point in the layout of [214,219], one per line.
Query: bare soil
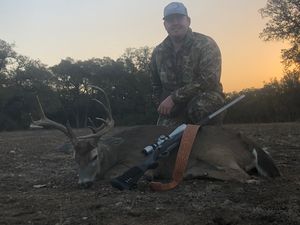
[38,185]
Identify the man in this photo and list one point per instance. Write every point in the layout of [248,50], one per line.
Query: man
[185,72]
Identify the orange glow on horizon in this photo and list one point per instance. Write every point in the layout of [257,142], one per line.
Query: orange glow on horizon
[243,71]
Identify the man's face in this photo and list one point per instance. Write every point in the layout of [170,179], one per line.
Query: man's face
[177,25]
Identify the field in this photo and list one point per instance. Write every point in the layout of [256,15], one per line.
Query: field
[38,185]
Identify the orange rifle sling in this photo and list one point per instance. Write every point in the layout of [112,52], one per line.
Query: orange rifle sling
[183,154]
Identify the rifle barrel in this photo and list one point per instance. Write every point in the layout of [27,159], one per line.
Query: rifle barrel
[225,107]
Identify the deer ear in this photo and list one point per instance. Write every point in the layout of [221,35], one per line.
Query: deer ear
[83,147]
[71,133]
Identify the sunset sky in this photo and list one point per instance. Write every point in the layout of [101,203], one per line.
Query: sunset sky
[51,30]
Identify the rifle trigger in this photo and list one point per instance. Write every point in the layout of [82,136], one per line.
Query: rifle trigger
[164,154]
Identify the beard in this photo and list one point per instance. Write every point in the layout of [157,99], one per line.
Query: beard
[177,33]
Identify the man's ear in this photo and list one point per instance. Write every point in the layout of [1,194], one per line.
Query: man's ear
[189,20]
[165,24]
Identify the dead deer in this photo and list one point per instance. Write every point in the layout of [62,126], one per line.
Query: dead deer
[217,153]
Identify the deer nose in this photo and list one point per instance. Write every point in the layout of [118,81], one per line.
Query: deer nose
[86,185]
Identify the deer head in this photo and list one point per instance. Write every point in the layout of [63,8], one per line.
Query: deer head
[88,154]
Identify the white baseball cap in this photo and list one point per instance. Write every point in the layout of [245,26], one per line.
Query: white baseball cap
[175,8]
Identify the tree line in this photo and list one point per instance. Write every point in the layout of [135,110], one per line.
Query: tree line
[64,91]
[65,94]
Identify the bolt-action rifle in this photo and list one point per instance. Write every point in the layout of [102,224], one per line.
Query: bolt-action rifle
[162,148]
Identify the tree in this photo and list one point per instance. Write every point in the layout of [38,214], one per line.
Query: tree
[6,52]
[72,81]
[290,86]
[284,25]
[137,60]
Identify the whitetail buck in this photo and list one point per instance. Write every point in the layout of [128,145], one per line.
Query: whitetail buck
[217,153]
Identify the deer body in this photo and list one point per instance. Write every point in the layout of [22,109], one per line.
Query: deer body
[217,152]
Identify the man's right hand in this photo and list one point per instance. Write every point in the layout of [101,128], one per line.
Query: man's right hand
[166,106]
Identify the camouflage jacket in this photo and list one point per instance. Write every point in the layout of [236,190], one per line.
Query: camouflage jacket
[194,69]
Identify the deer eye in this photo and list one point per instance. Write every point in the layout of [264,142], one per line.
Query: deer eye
[95,157]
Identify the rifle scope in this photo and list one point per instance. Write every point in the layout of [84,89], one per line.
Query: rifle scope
[163,138]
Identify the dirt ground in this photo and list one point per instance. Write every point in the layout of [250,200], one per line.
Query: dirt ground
[38,185]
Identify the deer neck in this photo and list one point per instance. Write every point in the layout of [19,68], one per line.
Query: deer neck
[108,150]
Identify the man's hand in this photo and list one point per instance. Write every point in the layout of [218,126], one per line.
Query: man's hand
[166,106]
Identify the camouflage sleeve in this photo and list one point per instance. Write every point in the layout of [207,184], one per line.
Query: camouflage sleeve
[155,80]
[207,75]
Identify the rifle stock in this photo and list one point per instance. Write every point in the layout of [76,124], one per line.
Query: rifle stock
[129,179]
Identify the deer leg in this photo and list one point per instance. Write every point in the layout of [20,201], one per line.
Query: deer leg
[199,170]
[206,170]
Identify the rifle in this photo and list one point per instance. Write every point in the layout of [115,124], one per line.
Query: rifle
[162,148]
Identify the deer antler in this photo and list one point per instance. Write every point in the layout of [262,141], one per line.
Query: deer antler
[45,122]
[67,130]
[108,123]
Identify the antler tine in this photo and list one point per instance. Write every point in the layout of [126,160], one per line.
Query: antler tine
[101,119]
[105,95]
[45,122]
[93,126]
[107,124]
[107,110]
